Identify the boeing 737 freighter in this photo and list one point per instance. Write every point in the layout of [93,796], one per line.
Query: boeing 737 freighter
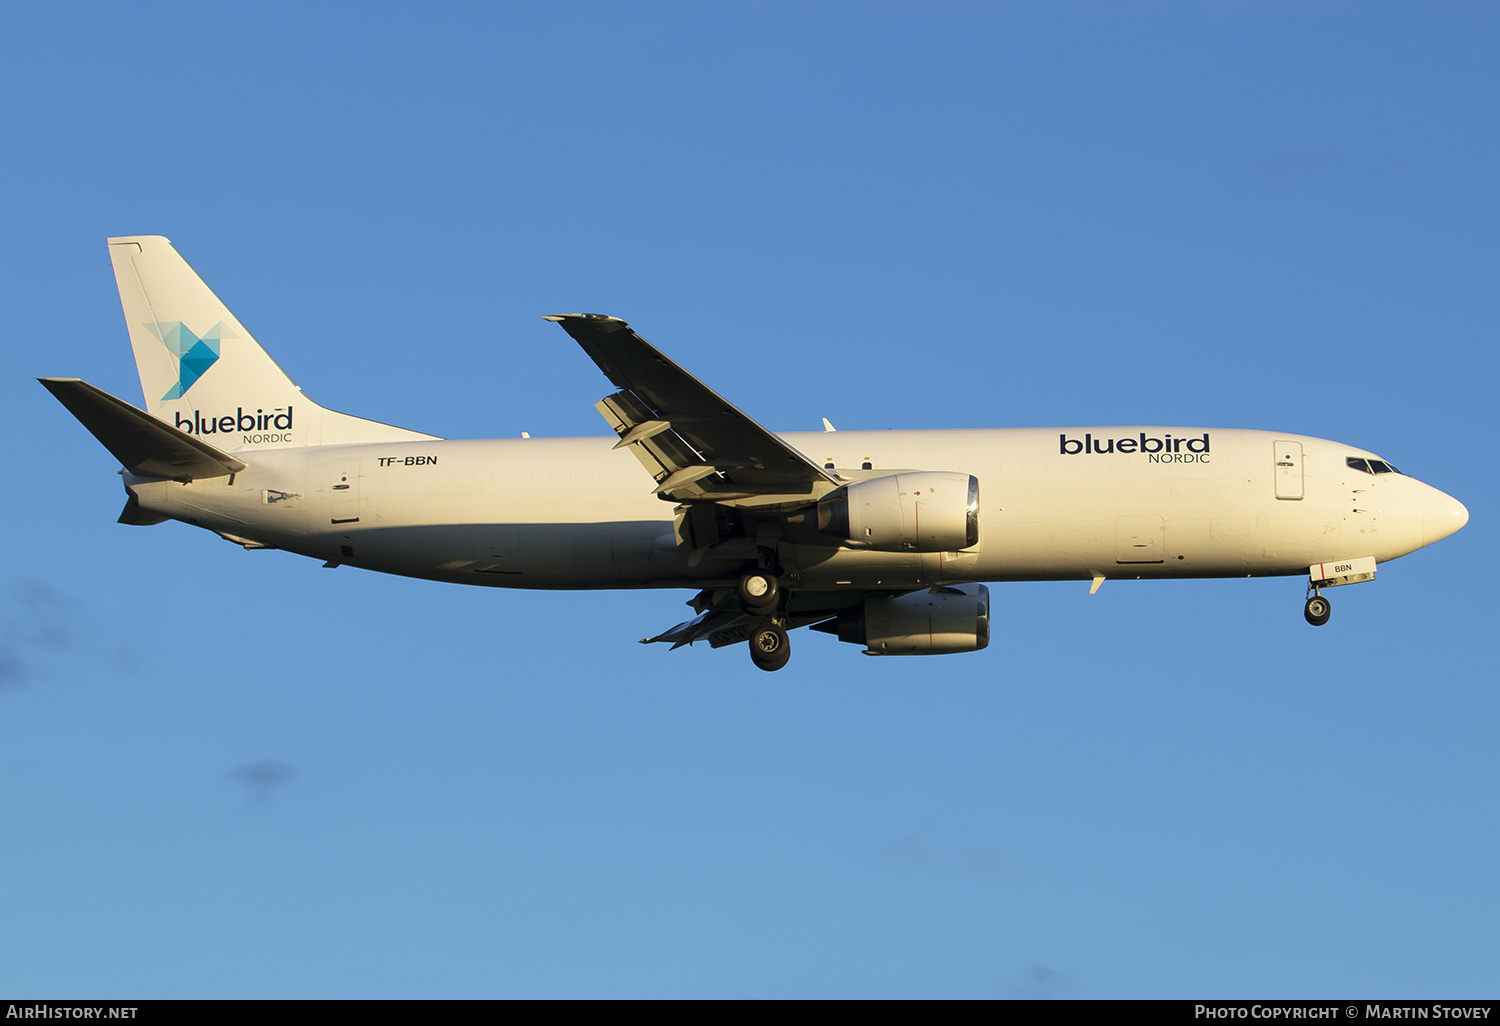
[880,538]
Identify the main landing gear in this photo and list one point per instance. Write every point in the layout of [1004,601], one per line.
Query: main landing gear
[770,648]
[758,593]
[1318,609]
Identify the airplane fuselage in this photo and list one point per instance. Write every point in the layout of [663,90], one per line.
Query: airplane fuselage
[1055,504]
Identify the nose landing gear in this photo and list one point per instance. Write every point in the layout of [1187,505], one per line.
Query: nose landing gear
[1354,570]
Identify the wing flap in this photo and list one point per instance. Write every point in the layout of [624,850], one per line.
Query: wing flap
[699,627]
[659,449]
[144,445]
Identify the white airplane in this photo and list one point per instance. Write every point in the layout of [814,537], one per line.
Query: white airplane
[880,538]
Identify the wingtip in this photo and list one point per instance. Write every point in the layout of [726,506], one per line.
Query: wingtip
[600,318]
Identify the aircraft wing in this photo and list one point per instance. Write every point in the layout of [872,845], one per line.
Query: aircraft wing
[697,446]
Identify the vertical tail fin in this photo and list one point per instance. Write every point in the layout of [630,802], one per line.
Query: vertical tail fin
[204,373]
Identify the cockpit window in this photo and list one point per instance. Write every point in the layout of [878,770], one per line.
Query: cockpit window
[1382,467]
[1365,466]
[1355,463]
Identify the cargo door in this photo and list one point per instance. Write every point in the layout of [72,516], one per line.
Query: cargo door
[1288,469]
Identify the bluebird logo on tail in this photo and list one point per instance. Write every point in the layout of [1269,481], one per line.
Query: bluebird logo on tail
[194,355]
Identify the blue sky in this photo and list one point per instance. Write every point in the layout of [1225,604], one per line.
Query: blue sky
[238,774]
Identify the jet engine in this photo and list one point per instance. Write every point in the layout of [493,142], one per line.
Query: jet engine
[927,511]
[936,622]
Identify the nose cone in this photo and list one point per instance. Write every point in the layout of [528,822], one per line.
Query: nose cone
[1441,516]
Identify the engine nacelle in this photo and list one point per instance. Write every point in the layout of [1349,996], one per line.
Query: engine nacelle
[936,622]
[928,511]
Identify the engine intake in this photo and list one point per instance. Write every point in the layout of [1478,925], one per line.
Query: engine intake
[936,622]
[928,511]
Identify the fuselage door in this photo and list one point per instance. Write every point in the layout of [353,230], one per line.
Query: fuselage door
[343,492]
[1288,469]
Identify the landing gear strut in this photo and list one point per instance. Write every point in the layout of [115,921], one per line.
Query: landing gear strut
[1318,610]
[770,648]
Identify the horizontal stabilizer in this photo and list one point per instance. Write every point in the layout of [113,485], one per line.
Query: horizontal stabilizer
[144,445]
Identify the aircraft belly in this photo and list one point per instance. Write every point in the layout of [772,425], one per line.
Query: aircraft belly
[493,555]
[816,566]
[576,555]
